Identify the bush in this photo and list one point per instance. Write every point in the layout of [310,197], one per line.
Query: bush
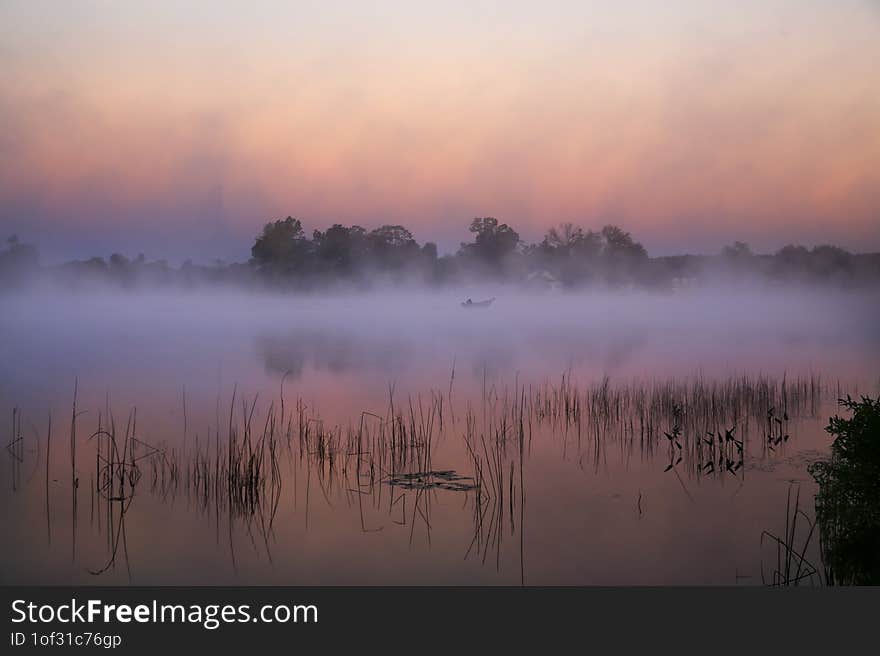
[848,501]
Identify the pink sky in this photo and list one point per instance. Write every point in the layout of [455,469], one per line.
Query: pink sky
[179,128]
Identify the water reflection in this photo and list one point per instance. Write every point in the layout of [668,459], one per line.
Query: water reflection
[337,352]
[472,481]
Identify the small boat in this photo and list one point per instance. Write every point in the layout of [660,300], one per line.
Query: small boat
[478,304]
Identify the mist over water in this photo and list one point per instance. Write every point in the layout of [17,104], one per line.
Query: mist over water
[201,339]
[186,361]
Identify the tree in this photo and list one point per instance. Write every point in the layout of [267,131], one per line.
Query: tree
[568,252]
[493,241]
[620,244]
[282,244]
[18,259]
[791,259]
[95,265]
[339,248]
[624,260]
[829,260]
[20,253]
[568,240]
[392,247]
[118,261]
[391,237]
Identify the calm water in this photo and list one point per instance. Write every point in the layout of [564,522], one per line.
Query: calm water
[550,410]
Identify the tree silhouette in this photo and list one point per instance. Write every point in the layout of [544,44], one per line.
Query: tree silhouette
[623,259]
[493,241]
[281,245]
[570,241]
[392,247]
[829,260]
[19,259]
[568,252]
[340,249]
[620,244]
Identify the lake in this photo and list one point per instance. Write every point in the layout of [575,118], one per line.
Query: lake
[213,437]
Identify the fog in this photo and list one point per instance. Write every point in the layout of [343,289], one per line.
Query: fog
[348,348]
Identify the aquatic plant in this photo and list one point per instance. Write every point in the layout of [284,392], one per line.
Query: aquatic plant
[382,465]
[792,565]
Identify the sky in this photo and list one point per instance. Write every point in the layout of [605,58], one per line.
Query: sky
[177,129]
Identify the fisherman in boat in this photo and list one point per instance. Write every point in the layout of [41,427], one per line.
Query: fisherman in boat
[478,304]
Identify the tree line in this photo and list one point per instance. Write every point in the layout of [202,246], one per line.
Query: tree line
[568,257]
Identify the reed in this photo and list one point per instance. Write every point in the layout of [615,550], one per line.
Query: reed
[792,566]
[234,472]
